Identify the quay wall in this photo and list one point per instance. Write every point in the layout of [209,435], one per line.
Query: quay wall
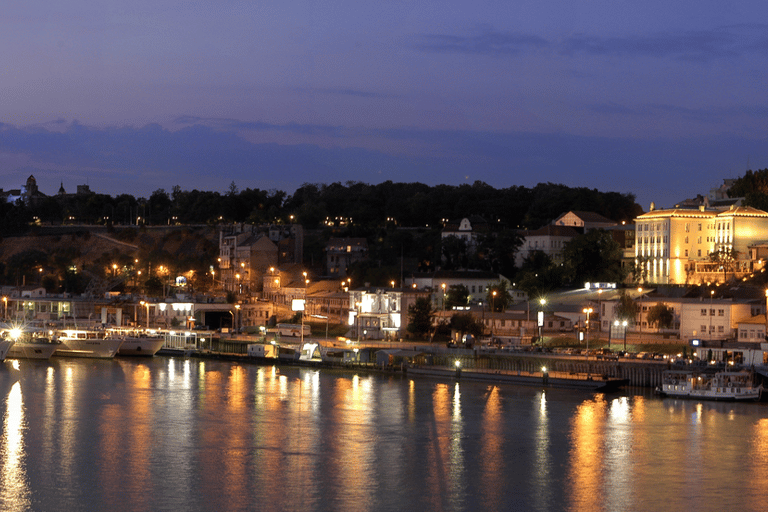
[644,373]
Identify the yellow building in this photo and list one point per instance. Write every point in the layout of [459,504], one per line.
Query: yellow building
[673,246]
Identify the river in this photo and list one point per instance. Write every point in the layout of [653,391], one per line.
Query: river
[204,435]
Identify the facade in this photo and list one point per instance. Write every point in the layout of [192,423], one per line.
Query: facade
[584,221]
[477,283]
[673,246]
[246,252]
[340,253]
[751,329]
[379,313]
[466,229]
[550,240]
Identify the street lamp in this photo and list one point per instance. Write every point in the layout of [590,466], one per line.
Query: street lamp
[640,312]
[493,297]
[599,311]
[624,324]
[443,287]
[304,309]
[5,307]
[711,312]
[143,303]
[587,312]
[237,318]
[541,317]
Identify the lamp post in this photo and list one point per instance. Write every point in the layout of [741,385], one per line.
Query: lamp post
[587,312]
[237,318]
[541,318]
[443,315]
[640,312]
[5,308]
[304,309]
[493,297]
[711,312]
[599,311]
[144,303]
[624,324]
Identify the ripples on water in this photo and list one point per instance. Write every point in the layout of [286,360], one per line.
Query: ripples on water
[196,435]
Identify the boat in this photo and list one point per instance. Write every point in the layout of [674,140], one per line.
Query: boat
[32,344]
[87,343]
[5,347]
[544,378]
[725,385]
[137,342]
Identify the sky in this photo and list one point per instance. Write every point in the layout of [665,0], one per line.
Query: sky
[660,99]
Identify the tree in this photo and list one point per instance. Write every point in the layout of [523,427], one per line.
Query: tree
[498,296]
[420,315]
[661,315]
[539,275]
[626,308]
[725,259]
[457,296]
[465,323]
[593,256]
[753,187]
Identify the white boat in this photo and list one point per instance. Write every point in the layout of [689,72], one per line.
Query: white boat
[32,344]
[87,343]
[732,386]
[5,346]
[137,342]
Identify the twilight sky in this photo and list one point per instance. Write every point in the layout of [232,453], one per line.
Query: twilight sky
[661,99]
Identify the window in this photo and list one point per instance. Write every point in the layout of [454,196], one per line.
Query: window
[720,329]
[699,226]
[703,328]
[686,253]
[711,312]
[720,312]
[703,312]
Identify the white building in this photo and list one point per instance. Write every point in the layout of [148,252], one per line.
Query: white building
[550,240]
[673,246]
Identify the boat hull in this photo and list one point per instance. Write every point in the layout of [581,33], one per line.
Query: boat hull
[5,347]
[140,346]
[105,348]
[590,383]
[750,395]
[33,350]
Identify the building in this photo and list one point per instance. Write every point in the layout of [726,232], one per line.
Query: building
[673,246]
[583,221]
[477,283]
[246,252]
[380,313]
[550,240]
[340,253]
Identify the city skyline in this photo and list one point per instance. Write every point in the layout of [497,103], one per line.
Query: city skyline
[661,101]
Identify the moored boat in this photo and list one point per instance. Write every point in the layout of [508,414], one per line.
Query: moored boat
[87,343]
[32,344]
[137,342]
[726,385]
[5,346]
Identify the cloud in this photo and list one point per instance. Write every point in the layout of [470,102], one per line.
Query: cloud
[487,42]
[699,45]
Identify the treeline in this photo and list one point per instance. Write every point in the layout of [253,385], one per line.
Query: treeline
[353,204]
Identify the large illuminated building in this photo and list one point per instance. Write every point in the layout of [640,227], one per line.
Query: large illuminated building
[674,246]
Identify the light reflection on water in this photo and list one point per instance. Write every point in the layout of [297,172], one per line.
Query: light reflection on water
[188,434]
